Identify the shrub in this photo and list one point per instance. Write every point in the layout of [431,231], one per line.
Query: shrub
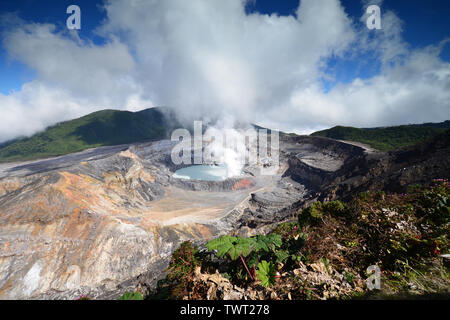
[336,208]
[131,296]
[434,204]
[404,227]
[183,262]
[287,230]
[181,269]
[311,215]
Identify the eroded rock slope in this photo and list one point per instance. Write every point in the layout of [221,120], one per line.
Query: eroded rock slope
[106,220]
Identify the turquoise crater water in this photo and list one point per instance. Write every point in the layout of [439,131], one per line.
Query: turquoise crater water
[202,172]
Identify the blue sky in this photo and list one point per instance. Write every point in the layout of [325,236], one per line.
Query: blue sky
[14,73]
[425,23]
[218,59]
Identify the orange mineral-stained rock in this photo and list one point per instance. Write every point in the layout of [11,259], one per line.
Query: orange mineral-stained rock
[243,184]
[96,227]
[106,220]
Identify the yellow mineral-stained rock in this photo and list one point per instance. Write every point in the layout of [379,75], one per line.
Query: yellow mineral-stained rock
[94,228]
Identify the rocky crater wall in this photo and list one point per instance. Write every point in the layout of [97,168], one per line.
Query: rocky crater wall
[106,221]
[316,162]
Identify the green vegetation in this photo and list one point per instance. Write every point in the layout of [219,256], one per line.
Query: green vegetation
[403,234]
[180,272]
[102,128]
[386,139]
[256,249]
[266,273]
[232,246]
[131,296]
[392,228]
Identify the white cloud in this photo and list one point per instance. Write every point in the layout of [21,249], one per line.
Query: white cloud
[210,59]
[73,78]
[65,61]
[413,91]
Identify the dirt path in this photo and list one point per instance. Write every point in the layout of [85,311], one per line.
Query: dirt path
[366,147]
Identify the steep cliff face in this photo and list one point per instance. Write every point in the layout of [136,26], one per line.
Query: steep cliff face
[364,168]
[317,162]
[66,230]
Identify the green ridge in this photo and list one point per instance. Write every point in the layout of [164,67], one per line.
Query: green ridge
[101,128]
[387,138]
